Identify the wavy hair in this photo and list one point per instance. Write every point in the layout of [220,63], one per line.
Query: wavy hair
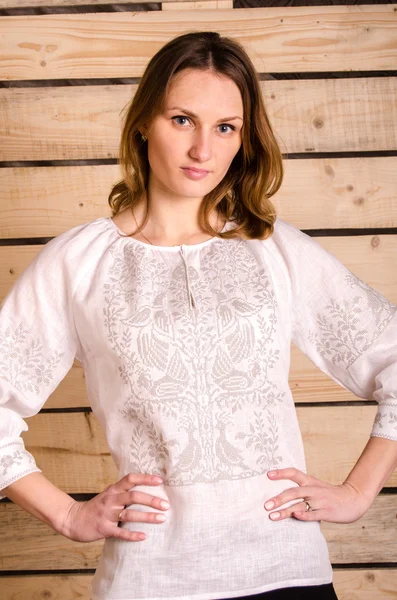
[255,173]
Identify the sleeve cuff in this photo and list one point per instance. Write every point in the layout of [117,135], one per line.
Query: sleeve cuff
[15,462]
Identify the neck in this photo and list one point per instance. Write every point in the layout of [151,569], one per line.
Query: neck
[172,224]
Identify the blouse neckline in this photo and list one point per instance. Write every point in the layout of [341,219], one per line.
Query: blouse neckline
[164,248]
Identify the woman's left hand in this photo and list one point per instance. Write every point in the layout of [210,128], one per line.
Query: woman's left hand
[335,503]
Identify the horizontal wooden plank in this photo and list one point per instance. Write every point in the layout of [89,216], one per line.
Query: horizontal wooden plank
[71,448]
[83,122]
[320,193]
[370,539]
[120,44]
[372,258]
[75,3]
[332,193]
[365,584]
[198,5]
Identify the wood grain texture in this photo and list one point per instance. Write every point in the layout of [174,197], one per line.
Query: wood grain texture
[71,449]
[91,3]
[84,122]
[364,584]
[199,5]
[278,39]
[370,539]
[325,193]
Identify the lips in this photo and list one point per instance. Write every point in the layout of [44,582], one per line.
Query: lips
[196,170]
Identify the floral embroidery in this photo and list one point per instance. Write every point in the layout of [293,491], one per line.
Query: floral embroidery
[17,457]
[201,399]
[340,335]
[23,362]
[378,420]
[10,459]
[393,419]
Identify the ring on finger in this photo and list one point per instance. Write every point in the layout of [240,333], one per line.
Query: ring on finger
[120,515]
[308,507]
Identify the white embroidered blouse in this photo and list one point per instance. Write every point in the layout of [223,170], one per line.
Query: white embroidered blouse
[186,354]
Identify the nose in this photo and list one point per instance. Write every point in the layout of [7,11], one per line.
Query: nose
[201,148]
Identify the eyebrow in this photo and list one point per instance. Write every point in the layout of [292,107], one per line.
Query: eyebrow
[191,114]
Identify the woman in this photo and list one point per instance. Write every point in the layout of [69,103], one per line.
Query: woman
[181,309]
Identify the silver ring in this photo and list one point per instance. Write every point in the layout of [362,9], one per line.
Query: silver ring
[120,513]
[308,507]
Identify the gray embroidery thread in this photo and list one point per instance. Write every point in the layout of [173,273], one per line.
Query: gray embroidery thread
[340,336]
[23,363]
[201,403]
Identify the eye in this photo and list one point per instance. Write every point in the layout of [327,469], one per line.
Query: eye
[180,117]
[228,125]
[187,119]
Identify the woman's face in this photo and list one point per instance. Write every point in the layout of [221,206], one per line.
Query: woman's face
[207,141]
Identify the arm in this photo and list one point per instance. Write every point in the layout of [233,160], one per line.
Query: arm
[349,331]
[38,496]
[38,344]
[377,462]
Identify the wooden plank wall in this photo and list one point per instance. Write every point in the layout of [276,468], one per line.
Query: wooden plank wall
[328,75]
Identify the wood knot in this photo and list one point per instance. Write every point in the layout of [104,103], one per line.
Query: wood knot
[358,201]
[375,241]
[12,271]
[318,123]
[272,96]
[43,63]
[349,187]
[370,577]
[329,170]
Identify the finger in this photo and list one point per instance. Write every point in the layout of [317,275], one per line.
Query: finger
[129,536]
[310,515]
[297,493]
[291,473]
[137,497]
[134,516]
[298,508]
[131,479]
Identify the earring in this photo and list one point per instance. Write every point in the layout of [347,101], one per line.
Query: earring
[144,138]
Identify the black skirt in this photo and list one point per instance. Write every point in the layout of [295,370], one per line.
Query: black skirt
[307,592]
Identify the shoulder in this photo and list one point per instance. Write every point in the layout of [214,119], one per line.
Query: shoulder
[69,255]
[284,231]
[75,240]
[294,244]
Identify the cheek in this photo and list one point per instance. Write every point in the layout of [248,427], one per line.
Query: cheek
[161,155]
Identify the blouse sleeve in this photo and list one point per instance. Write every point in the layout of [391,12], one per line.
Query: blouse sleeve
[38,344]
[344,326]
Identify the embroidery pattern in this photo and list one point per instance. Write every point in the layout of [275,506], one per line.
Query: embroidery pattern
[340,336]
[202,404]
[17,457]
[22,361]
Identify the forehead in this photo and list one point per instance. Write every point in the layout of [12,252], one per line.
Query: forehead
[205,91]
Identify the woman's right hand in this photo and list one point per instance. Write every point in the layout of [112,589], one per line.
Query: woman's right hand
[98,518]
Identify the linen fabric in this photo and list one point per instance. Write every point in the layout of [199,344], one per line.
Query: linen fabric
[186,356]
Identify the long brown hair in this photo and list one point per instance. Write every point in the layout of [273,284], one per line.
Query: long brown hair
[256,171]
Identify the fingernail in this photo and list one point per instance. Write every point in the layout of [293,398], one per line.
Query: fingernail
[164,504]
[269,504]
[272,473]
[157,480]
[275,515]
